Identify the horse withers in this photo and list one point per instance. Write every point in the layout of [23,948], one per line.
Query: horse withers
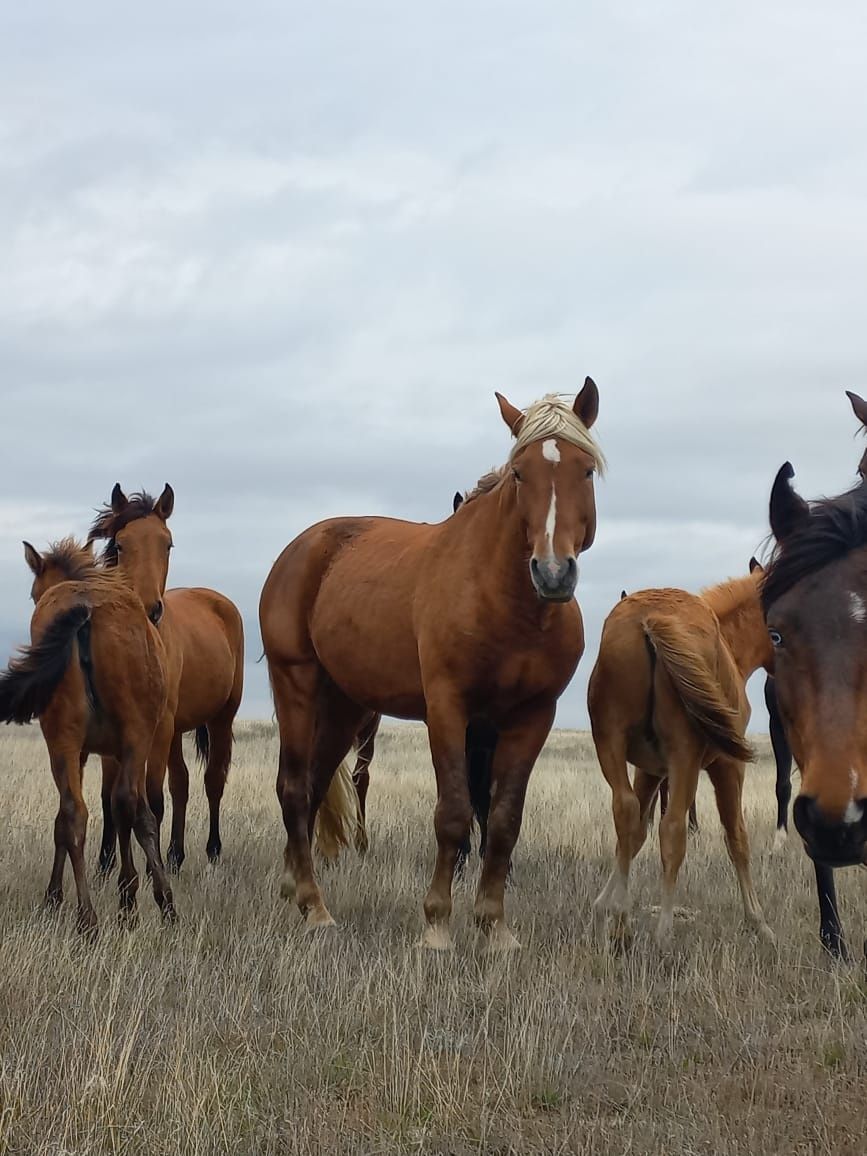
[469,621]
[94,676]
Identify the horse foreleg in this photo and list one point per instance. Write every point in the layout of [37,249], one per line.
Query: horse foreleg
[517,749]
[447,725]
[783,759]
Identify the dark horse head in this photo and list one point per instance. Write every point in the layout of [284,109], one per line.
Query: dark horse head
[138,542]
[815,602]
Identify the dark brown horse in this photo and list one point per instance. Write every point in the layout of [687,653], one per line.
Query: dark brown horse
[668,694]
[204,639]
[466,621]
[94,676]
[815,602]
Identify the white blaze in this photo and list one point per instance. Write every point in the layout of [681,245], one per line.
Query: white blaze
[857,609]
[551,521]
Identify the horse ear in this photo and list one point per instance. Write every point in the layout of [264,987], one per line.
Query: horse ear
[859,406]
[166,503]
[119,500]
[755,565]
[33,559]
[623,595]
[457,501]
[788,510]
[512,416]
[586,407]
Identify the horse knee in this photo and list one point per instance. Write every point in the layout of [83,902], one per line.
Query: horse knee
[124,804]
[453,821]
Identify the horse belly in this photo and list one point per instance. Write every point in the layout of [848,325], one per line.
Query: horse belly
[364,639]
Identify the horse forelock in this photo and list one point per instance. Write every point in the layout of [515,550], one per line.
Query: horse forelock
[554,417]
[108,523]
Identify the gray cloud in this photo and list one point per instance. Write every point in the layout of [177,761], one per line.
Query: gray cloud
[282,257]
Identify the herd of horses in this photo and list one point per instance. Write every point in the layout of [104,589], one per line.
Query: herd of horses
[471,625]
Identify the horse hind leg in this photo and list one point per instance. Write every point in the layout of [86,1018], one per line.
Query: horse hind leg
[108,846]
[682,783]
[727,776]
[614,899]
[179,789]
[70,832]
[216,774]
[295,699]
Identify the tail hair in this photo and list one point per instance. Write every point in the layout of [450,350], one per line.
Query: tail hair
[697,689]
[203,745]
[29,683]
[338,819]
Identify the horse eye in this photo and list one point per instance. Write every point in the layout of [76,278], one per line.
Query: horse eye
[776,637]
[590,473]
[118,547]
[516,475]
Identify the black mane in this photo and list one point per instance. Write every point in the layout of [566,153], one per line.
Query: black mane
[835,528]
[109,523]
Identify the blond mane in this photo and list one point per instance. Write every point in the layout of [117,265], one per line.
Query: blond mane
[552,417]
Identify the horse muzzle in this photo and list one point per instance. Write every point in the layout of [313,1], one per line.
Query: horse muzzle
[833,843]
[554,579]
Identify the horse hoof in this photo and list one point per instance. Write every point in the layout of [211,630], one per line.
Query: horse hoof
[319,919]
[436,937]
[52,901]
[765,934]
[169,914]
[87,925]
[213,854]
[288,886]
[501,941]
[779,844]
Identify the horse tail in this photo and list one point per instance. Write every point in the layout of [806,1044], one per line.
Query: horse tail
[480,744]
[697,689]
[338,818]
[29,683]
[203,745]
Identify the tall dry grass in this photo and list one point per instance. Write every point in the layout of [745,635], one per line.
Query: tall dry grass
[238,1032]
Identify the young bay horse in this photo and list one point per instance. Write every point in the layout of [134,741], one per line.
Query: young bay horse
[815,601]
[94,676]
[668,694]
[467,621]
[204,639]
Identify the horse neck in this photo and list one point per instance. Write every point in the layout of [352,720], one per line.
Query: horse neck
[497,543]
[738,609]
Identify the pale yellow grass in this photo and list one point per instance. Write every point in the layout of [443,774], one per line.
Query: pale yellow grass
[238,1032]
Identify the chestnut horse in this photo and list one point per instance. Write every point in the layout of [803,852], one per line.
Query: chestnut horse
[815,601]
[668,694]
[94,676]
[467,621]
[204,639]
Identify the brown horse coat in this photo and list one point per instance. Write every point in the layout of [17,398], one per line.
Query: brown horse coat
[667,694]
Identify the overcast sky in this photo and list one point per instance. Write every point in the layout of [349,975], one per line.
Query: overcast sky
[281,255]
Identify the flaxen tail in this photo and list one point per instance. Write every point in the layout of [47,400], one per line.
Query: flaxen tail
[30,681]
[339,816]
[698,690]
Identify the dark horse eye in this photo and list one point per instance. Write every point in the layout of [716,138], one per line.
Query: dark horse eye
[776,638]
[590,473]
[516,475]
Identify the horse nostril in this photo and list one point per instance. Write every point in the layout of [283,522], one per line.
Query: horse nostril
[156,613]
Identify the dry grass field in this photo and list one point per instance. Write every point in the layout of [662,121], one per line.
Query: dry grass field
[238,1032]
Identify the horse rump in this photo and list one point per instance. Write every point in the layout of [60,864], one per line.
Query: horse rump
[697,689]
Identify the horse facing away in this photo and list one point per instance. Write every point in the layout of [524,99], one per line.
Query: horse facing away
[815,601]
[471,620]
[668,695]
[94,676]
[204,639]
